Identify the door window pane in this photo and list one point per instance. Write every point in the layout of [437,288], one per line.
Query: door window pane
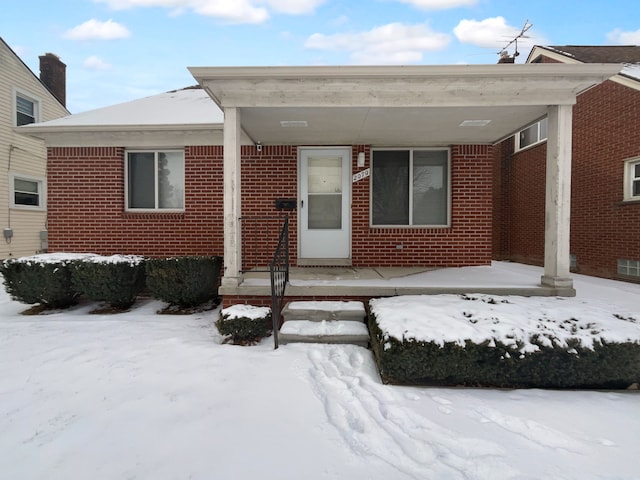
[325,212]
[325,175]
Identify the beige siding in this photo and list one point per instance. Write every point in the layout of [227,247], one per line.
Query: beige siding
[21,155]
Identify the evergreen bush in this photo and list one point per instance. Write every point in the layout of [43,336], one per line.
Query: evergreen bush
[245,324]
[607,365]
[116,280]
[183,281]
[43,279]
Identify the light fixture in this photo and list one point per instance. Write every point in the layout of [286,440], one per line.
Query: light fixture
[361,159]
[293,123]
[475,123]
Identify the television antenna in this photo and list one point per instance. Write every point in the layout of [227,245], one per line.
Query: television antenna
[504,53]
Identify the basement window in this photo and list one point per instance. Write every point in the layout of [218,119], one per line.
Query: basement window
[410,187]
[532,135]
[629,268]
[154,180]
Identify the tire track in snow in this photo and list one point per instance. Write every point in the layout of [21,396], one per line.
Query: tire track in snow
[370,420]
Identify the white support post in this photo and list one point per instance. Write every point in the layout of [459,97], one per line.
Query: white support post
[232,211]
[558,200]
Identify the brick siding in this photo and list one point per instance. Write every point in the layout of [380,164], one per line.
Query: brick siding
[603,228]
[87,210]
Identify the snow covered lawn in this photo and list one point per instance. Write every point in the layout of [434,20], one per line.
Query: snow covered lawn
[146,396]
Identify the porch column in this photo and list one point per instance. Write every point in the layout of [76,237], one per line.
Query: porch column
[558,199]
[231,177]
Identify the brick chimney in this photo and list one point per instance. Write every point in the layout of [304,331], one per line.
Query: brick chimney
[506,58]
[53,73]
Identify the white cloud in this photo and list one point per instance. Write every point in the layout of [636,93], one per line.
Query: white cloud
[95,63]
[395,43]
[490,32]
[620,37]
[96,30]
[234,11]
[439,4]
[495,33]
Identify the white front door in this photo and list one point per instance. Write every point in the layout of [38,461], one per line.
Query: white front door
[325,198]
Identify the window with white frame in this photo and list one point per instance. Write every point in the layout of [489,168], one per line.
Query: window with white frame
[27,109]
[531,135]
[155,180]
[27,192]
[632,179]
[410,187]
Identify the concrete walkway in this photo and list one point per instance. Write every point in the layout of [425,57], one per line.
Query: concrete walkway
[499,278]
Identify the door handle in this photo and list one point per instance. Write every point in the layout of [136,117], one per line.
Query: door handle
[301,203]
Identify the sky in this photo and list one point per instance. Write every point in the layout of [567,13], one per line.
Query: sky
[120,50]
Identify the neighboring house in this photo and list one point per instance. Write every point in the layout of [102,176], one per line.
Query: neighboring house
[25,99]
[605,178]
[384,166]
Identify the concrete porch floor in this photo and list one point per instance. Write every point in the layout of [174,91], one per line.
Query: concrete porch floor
[499,278]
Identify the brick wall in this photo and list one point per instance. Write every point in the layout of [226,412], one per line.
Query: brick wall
[466,242]
[85,200]
[86,209]
[603,228]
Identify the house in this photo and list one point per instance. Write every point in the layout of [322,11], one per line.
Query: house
[605,177]
[376,166]
[24,99]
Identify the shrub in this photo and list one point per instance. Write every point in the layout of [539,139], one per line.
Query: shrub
[116,280]
[245,324]
[183,281]
[538,359]
[44,279]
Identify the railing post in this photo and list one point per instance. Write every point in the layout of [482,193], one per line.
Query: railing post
[279,273]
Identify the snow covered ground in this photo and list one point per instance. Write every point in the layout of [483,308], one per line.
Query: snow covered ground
[146,396]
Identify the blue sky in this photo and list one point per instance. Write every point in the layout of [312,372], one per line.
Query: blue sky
[119,50]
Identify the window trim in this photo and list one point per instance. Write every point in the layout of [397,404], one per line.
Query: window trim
[410,225]
[629,178]
[539,140]
[42,192]
[37,106]
[155,152]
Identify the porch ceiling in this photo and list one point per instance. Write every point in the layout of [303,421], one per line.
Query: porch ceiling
[391,105]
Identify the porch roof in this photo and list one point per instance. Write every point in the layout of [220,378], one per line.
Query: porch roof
[395,105]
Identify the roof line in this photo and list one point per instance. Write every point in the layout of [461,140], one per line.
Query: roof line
[34,75]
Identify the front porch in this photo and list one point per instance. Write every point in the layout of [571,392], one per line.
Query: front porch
[353,283]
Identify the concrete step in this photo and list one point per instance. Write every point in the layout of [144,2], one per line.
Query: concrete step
[331,331]
[317,311]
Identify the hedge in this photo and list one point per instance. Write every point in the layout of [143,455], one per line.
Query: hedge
[44,279]
[495,363]
[245,324]
[116,280]
[183,281]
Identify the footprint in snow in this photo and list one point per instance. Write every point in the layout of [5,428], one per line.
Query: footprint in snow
[373,423]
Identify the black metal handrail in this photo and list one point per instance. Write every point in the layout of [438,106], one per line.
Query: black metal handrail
[279,269]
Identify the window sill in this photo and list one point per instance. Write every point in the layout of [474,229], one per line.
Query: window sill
[630,201]
[26,208]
